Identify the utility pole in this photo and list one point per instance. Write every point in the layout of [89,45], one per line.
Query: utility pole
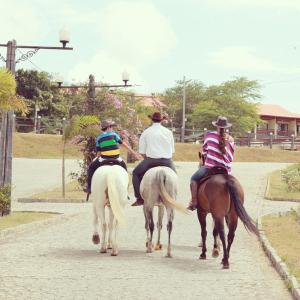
[7,125]
[7,117]
[91,95]
[183,111]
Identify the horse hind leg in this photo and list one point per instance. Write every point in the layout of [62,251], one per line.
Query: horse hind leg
[216,249]
[158,245]
[115,249]
[96,237]
[110,228]
[202,220]
[103,226]
[232,225]
[149,225]
[219,223]
[170,214]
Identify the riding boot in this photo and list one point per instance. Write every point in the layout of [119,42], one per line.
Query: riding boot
[194,195]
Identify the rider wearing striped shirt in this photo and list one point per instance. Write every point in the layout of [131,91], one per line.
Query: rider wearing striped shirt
[218,151]
[108,151]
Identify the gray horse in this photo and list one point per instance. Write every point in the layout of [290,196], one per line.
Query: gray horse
[159,188]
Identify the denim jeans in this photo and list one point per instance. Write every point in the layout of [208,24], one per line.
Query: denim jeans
[143,167]
[200,173]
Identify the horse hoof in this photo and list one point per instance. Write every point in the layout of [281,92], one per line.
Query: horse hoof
[215,253]
[114,253]
[202,256]
[149,251]
[103,250]
[158,247]
[96,239]
[225,266]
[168,256]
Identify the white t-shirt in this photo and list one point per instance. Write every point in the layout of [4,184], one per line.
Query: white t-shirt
[157,142]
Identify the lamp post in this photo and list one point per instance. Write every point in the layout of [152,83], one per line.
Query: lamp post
[293,142]
[63,169]
[271,140]
[7,117]
[249,138]
[183,111]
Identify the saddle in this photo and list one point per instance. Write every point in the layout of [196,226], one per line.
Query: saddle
[113,162]
[213,171]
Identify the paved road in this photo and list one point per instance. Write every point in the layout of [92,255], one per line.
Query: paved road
[60,262]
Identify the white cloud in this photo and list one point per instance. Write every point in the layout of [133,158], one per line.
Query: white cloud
[136,32]
[19,21]
[106,68]
[271,4]
[245,59]
[128,34]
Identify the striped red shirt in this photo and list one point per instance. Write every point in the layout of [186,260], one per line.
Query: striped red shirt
[213,155]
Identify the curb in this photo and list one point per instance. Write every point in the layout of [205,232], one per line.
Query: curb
[51,200]
[34,226]
[281,268]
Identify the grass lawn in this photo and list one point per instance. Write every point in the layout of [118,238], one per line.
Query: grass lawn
[73,193]
[18,218]
[286,245]
[32,145]
[277,189]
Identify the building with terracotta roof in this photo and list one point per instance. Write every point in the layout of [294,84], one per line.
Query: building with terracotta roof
[278,121]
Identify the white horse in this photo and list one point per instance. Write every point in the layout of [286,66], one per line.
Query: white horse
[109,188]
[159,188]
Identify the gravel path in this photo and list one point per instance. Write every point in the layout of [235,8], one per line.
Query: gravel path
[60,262]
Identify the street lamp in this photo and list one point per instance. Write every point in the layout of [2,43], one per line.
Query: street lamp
[249,138]
[271,140]
[293,142]
[125,77]
[7,117]
[64,37]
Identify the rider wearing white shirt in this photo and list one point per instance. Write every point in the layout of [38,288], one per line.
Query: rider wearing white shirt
[157,147]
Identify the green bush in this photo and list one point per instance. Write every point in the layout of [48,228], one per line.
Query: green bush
[291,176]
[5,200]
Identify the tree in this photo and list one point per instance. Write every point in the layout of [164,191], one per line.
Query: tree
[42,96]
[173,98]
[236,99]
[8,97]
[82,130]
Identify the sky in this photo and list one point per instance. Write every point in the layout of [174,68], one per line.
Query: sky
[159,41]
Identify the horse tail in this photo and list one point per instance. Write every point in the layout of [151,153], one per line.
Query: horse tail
[167,199]
[239,207]
[114,197]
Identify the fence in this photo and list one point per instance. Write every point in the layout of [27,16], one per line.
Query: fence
[38,125]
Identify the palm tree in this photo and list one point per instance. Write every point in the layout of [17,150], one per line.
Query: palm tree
[8,98]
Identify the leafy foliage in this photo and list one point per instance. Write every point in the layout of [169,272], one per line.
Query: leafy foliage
[8,98]
[236,99]
[291,176]
[83,130]
[5,199]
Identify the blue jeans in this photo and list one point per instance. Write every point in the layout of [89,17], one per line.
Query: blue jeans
[200,173]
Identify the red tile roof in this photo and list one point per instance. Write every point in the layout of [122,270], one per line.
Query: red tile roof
[274,110]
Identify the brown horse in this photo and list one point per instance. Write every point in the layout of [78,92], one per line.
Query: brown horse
[222,196]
